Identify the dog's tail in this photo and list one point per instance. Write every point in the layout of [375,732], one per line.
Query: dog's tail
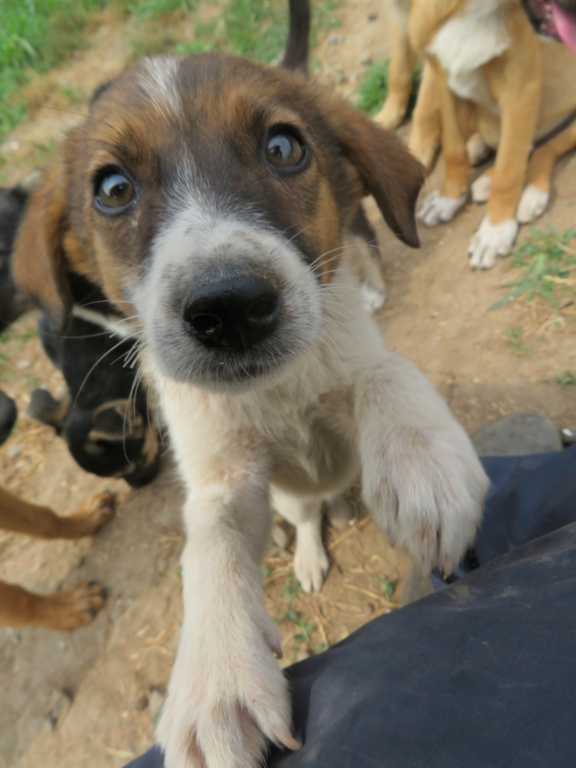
[297,45]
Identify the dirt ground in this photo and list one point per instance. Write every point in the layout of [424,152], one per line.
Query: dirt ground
[92,697]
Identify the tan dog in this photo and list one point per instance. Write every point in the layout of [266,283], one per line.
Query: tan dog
[212,198]
[63,610]
[492,75]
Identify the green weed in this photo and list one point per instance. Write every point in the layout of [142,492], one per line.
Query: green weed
[566,378]
[548,264]
[514,338]
[373,89]
[388,586]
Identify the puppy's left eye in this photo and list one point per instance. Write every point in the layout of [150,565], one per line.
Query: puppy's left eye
[114,192]
[285,150]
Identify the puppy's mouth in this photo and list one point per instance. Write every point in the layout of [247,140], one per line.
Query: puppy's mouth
[553,20]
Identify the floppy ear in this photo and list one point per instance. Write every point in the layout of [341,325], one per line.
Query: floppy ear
[38,262]
[387,169]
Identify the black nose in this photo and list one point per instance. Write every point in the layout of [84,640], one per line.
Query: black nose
[232,311]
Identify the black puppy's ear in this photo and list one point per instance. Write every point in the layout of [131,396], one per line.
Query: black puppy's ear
[385,166]
[38,261]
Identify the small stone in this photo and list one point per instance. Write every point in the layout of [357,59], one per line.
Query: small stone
[59,703]
[518,434]
[366,60]
[22,364]
[368,609]
[14,451]
[161,566]
[372,17]
[333,39]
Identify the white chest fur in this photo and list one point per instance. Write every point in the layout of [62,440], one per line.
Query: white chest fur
[468,41]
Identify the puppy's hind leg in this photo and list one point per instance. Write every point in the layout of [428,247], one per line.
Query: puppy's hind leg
[310,559]
[536,193]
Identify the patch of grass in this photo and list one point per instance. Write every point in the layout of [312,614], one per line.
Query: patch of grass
[514,338]
[37,35]
[373,89]
[256,29]
[548,264]
[565,379]
[303,629]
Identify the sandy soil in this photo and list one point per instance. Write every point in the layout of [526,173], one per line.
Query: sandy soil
[91,697]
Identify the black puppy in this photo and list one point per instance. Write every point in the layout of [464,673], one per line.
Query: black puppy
[104,419]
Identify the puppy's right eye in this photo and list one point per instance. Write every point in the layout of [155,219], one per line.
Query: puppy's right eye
[114,192]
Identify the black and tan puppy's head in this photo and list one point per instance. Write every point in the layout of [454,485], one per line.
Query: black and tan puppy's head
[211,196]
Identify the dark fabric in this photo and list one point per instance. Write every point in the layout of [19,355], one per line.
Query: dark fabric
[482,673]
[530,496]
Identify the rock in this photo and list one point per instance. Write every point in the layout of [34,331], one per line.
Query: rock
[518,434]
[366,60]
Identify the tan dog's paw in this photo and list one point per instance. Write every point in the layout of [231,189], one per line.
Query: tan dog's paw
[490,242]
[532,204]
[71,608]
[226,696]
[481,188]
[438,209]
[427,492]
[93,515]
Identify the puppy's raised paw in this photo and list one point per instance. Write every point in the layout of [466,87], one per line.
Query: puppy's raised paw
[226,696]
[426,491]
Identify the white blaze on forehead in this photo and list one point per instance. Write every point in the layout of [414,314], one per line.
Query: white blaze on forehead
[159,80]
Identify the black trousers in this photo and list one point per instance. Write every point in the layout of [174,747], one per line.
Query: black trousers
[481,673]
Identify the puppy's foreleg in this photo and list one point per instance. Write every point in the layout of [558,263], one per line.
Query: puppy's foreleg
[402,61]
[421,477]
[226,692]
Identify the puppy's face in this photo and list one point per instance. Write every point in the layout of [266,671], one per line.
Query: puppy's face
[210,196]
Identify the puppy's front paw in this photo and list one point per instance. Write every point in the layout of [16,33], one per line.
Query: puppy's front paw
[438,209]
[226,696]
[491,241]
[532,203]
[426,490]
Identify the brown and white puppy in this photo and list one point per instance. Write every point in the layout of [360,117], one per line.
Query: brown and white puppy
[211,198]
[494,76]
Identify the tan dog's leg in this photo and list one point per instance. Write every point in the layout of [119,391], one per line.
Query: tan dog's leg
[402,62]
[516,84]
[441,206]
[539,177]
[62,611]
[22,517]
[427,120]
